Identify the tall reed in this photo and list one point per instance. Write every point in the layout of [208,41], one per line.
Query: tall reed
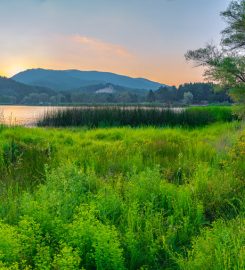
[135,116]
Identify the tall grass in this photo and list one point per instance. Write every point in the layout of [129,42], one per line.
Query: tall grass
[122,198]
[135,116]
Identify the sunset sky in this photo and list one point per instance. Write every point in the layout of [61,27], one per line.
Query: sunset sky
[139,38]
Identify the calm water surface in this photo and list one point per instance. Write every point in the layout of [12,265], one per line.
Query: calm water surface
[23,115]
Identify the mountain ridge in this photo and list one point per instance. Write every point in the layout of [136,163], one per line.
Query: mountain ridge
[73,78]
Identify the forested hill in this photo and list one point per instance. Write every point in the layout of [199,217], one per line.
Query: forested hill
[12,92]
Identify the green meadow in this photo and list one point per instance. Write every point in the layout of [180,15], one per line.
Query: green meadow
[122,198]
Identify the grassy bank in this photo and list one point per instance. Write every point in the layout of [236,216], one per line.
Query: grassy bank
[136,116]
[122,198]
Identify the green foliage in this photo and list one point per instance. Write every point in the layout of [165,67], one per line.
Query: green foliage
[116,116]
[218,248]
[68,258]
[9,244]
[123,198]
[234,34]
[13,92]
[227,66]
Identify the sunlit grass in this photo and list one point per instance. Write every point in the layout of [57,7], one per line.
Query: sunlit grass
[122,198]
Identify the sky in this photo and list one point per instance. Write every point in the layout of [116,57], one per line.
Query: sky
[138,38]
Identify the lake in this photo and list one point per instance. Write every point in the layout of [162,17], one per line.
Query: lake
[22,115]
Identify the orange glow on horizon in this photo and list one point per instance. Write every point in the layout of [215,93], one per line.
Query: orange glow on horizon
[62,52]
[163,77]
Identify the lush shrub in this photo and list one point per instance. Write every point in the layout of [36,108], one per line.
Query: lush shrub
[218,248]
[10,244]
[123,198]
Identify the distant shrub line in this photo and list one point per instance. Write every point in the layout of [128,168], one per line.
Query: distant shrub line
[125,116]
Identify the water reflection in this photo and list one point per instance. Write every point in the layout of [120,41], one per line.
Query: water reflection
[22,115]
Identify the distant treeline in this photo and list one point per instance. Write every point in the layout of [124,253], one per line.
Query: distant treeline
[12,92]
[190,93]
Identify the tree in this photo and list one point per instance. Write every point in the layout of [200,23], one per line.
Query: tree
[234,34]
[188,98]
[151,97]
[166,94]
[226,65]
[43,98]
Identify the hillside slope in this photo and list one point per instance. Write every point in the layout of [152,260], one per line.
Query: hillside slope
[70,79]
[14,92]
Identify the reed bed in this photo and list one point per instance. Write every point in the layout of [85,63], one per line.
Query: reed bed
[135,116]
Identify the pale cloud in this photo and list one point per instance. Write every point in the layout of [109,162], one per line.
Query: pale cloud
[66,52]
[101,46]
[87,53]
